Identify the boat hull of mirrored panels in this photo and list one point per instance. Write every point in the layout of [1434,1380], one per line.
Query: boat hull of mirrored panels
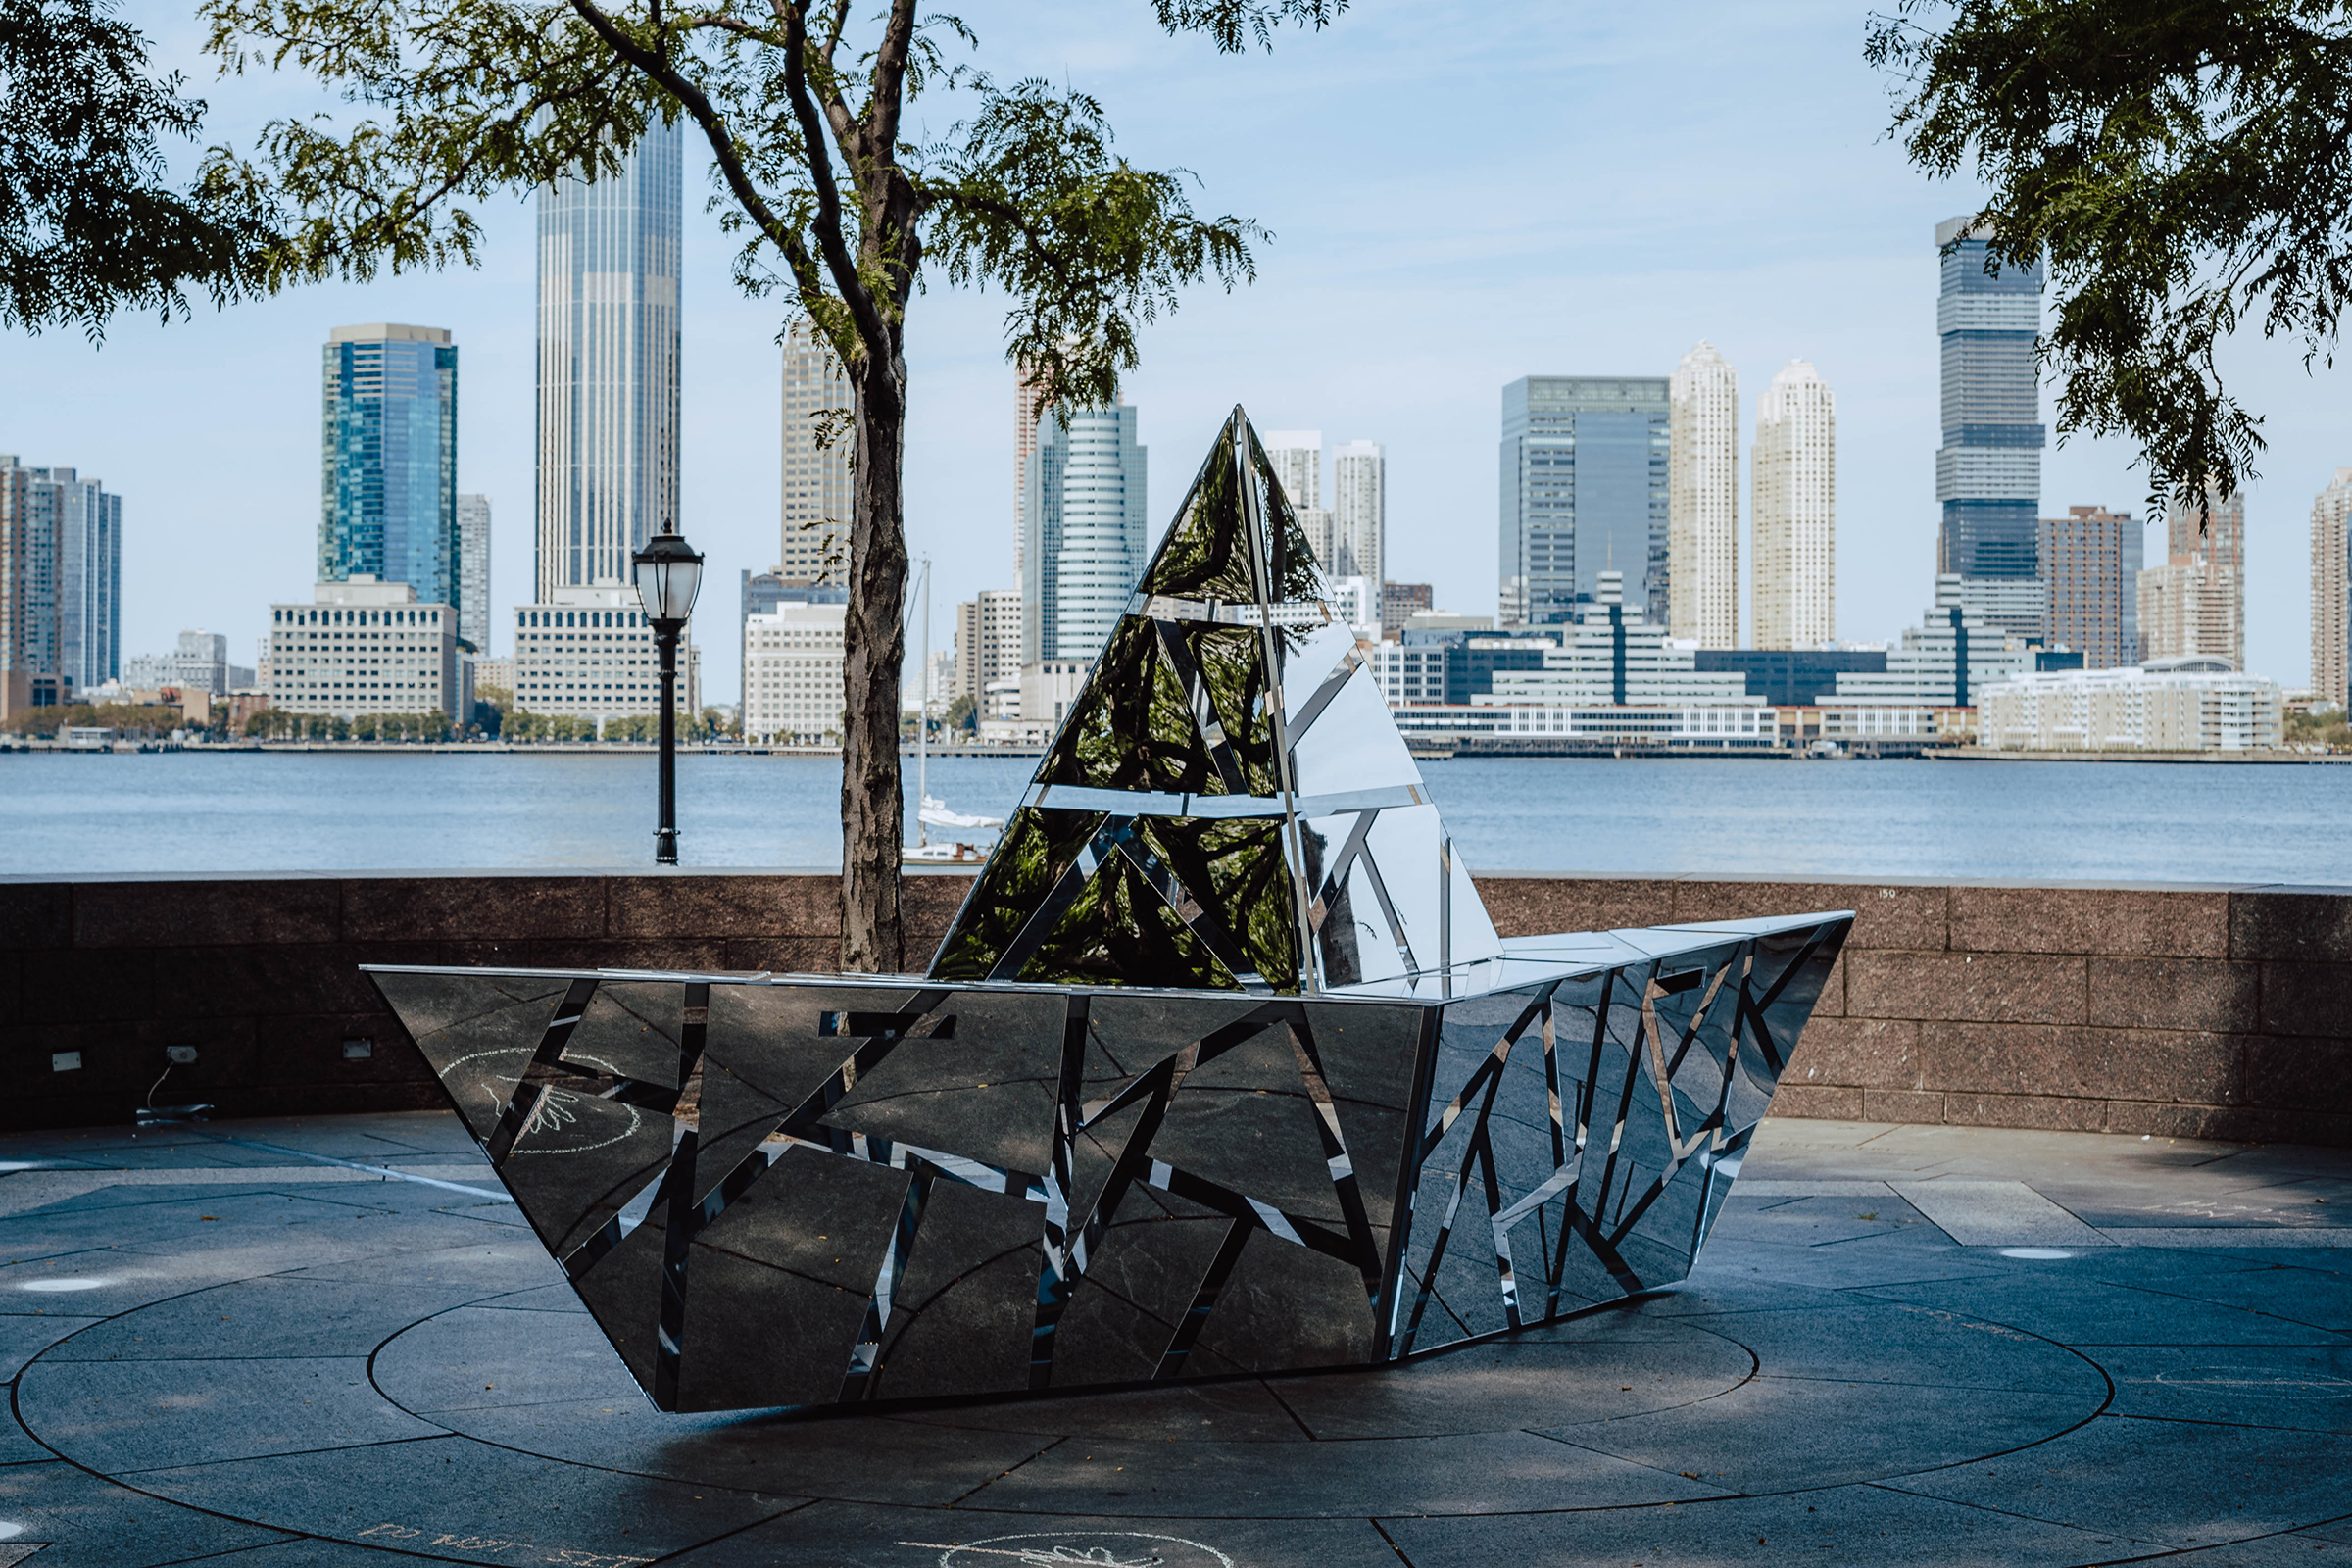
[809,1190]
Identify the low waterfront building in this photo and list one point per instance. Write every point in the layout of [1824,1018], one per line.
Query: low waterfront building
[1741,726]
[2193,703]
[793,687]
[1954,653]
[361,646]
[1791,677]
[588,653]
[494,675]
[1400,602]
[1611,653]
[1049,687]
[200,659]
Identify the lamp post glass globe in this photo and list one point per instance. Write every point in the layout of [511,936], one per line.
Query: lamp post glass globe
[668,574]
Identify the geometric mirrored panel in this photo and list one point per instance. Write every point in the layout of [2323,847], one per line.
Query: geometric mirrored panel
[1227,804]
[845,1190]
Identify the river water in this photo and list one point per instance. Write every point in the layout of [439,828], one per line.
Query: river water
[326,811]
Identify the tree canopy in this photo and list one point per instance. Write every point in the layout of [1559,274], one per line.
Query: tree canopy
[89,221]
[2184,167]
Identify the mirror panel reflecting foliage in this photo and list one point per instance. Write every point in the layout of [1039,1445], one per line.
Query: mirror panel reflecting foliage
[1227,708]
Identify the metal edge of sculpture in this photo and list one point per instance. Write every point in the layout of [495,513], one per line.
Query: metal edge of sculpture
[1222,1067]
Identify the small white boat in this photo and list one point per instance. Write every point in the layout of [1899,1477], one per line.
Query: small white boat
[932,811]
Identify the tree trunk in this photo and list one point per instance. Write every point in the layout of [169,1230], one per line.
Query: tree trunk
[873,650]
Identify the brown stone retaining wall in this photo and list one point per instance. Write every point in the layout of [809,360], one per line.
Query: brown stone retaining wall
[2193,1011]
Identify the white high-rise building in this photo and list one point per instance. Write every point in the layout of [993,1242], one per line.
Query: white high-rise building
[1359,511]
[988,642]
[816,478]
[793,688]
[473,573]
[607,465]
[1297,460]
[1702,528]
[2332,592]
[1082,552]
[1795,478]
[1024,442]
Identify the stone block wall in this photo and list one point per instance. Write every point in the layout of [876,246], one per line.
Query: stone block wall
[262,975]
[2194,1011]
[2206,1012]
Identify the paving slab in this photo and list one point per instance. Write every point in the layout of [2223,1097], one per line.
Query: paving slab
[1977,1213]
[1852,1524]
[1891,1352]
[2182,1483]
[2074,1308]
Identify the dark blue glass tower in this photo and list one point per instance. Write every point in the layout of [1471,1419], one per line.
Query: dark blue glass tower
[1583,491]
[390,433]
[1988,472]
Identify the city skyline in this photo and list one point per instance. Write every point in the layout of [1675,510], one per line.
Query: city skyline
[1835,266]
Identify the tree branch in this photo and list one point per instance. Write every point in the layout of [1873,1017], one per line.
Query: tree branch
[697,104]
[870,326]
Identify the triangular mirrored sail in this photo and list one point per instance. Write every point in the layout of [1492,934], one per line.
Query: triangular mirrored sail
[1228,804]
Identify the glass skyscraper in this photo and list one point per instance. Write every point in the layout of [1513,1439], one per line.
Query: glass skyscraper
[608,468]
[1584,490]
[1082,518]
[389,430]
[61,579]
[1988,472]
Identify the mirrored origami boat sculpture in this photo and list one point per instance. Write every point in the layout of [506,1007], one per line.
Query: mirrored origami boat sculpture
[1221,1069]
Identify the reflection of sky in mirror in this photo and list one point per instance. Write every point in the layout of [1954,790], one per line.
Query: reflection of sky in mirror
[2120,822]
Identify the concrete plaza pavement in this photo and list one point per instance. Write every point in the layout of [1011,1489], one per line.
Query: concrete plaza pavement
[234,1345]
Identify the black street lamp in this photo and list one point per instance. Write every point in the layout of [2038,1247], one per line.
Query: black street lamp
[668,574]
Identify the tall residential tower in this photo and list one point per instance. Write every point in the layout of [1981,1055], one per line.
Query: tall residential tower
[1359,511]
[473,573]
[609,365]
[388,432]
[1703,499]
[2332,592]
[1989,471]
[1298,458]
[2090,564]
[61,585]
[817,476]
[1082,549]
[2195,603]
[1795,477]
[1583,491]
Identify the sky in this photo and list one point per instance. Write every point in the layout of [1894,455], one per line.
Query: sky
[1458,195]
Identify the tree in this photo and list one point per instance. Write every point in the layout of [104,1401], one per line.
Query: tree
[88,223]
[2186,169]
[836,210]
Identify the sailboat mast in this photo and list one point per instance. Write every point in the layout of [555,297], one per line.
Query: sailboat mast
[922,722]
